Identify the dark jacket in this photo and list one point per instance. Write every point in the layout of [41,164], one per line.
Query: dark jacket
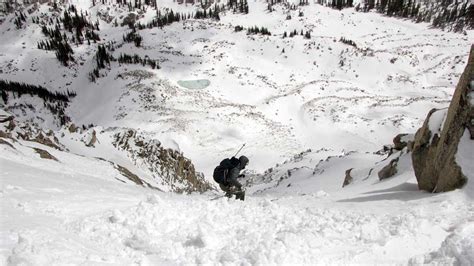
[232,176]
[228,171]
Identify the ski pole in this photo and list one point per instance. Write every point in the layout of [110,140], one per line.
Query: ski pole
[239,150]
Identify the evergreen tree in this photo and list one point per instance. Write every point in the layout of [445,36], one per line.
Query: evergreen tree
[307,35]
[4,96]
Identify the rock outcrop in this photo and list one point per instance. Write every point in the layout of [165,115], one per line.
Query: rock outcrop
[167,165]
[48,140]
[389,170]
[436,142]
[72,128]
[402,140]
[45,154]
[6,119]
[348,178]
[92,139]
[29,132]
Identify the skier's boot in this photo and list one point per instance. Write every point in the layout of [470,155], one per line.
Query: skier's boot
[240,195]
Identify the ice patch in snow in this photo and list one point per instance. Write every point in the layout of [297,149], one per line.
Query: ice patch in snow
[197,84]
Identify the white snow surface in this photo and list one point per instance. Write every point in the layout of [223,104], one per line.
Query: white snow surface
[465,159]
[436,122]
[310,109]
[56,213]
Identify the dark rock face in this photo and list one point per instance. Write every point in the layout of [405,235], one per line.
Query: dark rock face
[348,179]
[389,170]
[30,132]
[471,111]
[7,119]
[401,141]
[72,128]
[92,140]
[434,153]
[45,154]
[174,170]
[50,140]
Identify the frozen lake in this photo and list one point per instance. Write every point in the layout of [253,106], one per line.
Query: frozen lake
[196,84]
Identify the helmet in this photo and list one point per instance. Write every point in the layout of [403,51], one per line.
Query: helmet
[243,161]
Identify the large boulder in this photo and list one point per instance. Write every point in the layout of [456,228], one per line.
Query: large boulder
[436,142]
[72,128]
[389,170]
[401,141]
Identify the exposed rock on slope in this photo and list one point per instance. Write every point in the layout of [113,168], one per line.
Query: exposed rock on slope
[29,132]
[389,170]
[348,179]
[401,141]
[169,165]
[45,154]
[436,142]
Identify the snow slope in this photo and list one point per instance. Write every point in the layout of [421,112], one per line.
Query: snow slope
[302,97]
[56,213]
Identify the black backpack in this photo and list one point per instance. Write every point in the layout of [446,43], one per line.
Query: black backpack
[221,171]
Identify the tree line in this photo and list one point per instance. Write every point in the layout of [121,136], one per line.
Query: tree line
[103,59]
[20,89]
[454,15]
[136,59]
[58,40]
[58,43]
[348,42]
[340,4]
[55,102]
[20,18]
[238,6]
[257,30]
[170,17]
[293,33]
[134,37]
